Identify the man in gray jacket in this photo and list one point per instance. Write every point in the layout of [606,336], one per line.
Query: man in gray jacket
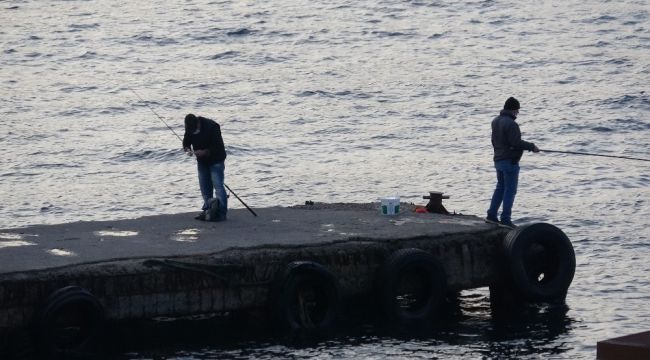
[508,149]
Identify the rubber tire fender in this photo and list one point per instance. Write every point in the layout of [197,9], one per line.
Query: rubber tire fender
[414,263]
[305,297]
[541,262]
[83,307]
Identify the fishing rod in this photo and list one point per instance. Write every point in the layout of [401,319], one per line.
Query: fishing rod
[179,138]
[155,113]
[240,200]
[590,154]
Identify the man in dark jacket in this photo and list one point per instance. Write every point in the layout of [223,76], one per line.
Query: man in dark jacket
[203,139]
[508,149]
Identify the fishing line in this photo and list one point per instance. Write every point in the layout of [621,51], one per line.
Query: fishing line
[590,154]
[179,138]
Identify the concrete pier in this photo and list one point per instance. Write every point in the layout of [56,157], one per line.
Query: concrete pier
[174,265]
[111,257]
[123,262]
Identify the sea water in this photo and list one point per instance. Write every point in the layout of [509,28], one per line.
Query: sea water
[346,101]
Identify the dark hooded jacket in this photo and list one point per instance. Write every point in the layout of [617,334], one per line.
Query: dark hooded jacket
[208,138]
[506,138]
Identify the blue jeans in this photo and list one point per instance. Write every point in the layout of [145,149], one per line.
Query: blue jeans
[507,180]
[211,183]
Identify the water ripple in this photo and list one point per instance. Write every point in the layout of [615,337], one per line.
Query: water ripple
[347,101]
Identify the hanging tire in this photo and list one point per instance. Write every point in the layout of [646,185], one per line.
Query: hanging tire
[541,262]
[306,297]
[412,287]
[71,325]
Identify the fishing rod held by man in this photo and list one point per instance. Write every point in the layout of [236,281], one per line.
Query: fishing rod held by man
[155,113]
[591,154]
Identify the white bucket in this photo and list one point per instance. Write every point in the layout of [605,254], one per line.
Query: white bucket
[389,205]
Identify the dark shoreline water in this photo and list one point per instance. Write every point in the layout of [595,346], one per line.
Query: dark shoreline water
[469,323]
[341,102]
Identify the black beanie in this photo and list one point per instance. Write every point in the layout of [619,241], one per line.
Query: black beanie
[191,122]
[511,104]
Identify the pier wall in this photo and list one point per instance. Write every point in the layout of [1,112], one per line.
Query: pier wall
[239,278]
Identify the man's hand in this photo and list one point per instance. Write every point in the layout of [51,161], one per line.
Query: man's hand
[188,151]
[201,153]
[535,148]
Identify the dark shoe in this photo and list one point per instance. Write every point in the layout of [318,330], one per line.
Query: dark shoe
[490,220]
[507,225]
[200,216]
[216,212]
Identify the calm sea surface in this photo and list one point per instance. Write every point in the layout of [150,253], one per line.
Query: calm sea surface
[341,101]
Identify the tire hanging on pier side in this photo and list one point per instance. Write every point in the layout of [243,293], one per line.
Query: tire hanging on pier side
[71,325]
[412,287]
[541,262]
[305,296]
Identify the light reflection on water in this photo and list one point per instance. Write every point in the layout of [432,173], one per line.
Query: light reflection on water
[61,252]
[14,243]
[15,240]
[345,102]
[116,233]
[187,235]
[469,330]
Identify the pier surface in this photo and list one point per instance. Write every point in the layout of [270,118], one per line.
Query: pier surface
[53,246]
